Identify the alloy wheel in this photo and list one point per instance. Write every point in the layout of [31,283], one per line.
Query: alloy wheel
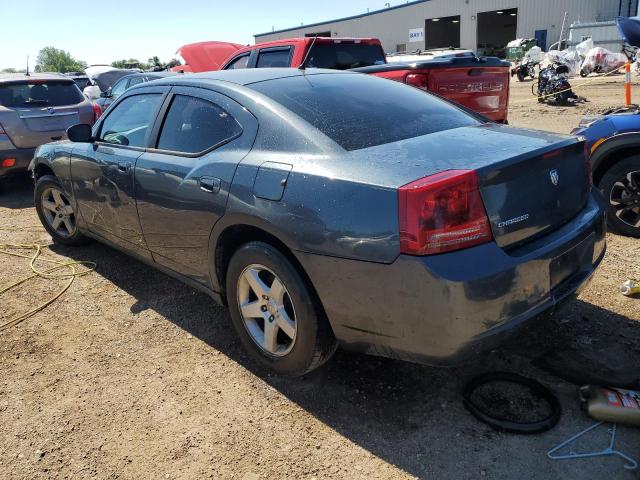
[267,310]
[58,212]
[625,199]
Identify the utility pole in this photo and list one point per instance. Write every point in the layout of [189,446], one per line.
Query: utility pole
[564,21]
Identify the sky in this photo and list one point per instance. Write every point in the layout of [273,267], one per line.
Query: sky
[100,32]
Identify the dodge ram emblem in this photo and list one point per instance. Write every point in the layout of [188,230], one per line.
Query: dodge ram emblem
[555,178]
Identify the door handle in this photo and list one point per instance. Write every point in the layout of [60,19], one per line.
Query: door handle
[124,167]
[210,184]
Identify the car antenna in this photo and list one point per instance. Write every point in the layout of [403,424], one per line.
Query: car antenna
[303,65]
[27,72]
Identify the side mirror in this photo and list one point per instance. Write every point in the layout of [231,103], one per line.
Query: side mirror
[106,94]
[80,133]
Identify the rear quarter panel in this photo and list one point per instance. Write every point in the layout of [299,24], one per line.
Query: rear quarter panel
[319,213]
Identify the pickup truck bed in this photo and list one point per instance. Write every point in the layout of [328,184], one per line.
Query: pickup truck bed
[480,84]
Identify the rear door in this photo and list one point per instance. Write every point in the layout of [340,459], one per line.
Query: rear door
[274,57]
[38,111]
[182,184]
[103,171]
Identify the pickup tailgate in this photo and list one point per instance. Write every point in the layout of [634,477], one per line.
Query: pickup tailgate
[479,84]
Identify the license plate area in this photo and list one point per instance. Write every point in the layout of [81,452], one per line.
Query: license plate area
[571,262]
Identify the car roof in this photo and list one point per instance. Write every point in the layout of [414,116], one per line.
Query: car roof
[13,77]
[151,74]
[302,41]
[245,76]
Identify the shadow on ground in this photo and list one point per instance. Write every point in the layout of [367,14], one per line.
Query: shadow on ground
[16,193]
[408,415]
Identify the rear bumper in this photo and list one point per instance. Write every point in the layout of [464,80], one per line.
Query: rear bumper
[22,157]
[443,308]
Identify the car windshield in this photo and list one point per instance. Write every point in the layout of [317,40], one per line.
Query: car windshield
[341,56]
[50,93]
[359,111]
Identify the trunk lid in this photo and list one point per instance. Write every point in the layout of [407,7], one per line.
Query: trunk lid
[32,127]
[516,170]
[534,193]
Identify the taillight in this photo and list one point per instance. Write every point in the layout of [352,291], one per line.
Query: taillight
[418,80]
[97,111]
[8,162]
[441,213]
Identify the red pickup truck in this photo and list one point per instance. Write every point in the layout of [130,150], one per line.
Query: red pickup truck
[479,84]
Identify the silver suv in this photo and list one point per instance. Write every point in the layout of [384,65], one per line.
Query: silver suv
[36,109]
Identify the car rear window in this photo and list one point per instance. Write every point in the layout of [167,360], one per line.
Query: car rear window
[342,56]
[359,111]
[50,93]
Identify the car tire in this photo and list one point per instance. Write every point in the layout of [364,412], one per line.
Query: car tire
[611,186]
[56,212]
[303,339]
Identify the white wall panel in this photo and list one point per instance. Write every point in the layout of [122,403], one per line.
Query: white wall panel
[392,26]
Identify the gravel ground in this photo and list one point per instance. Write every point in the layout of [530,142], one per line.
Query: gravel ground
[134,375]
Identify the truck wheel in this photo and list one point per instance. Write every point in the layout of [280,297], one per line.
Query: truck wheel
[620,186]
[56,212]
[274,312]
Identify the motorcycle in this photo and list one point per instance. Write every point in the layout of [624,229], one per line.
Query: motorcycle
[527,68]
[553,86]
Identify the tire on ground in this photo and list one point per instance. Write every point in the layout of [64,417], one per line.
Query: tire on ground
[43,183]
[314,343]
[615,173]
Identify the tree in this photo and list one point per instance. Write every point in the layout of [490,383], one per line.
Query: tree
[131,63]
[174,62]
[51,59]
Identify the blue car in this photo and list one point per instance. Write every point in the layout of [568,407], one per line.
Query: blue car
[613,142]
[328,208]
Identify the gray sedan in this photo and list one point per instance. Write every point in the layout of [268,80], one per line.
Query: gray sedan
[330,208]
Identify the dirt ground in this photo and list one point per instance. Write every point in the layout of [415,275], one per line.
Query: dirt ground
[134,375]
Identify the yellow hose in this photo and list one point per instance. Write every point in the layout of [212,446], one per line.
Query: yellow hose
[5,249]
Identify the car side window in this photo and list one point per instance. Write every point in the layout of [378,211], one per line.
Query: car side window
[129,122]
[274,58]
[240,62]
[119,88]
[135,81]
[193,125]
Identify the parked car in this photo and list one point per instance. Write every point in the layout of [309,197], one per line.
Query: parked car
[112,93]
[36,109]
[480,84]
[613,141]
[415,231]
[102,78]
[80,78]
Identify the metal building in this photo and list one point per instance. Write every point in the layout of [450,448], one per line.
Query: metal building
[485,26]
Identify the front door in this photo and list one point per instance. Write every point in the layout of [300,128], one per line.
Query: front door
[541,39]
[182,184]
[103,172]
